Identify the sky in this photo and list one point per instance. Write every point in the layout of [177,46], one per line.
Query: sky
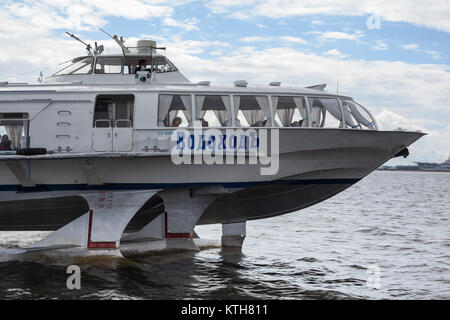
[391,56]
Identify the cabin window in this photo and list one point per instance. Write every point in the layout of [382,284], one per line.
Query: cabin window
[325,112]
[114,111]
[213,111]
[12,127]
[108,65]
[356,116]
[174,110]
[290,111]
[130,64]
[163,64]
[79,66]
[160,65]
[253,111]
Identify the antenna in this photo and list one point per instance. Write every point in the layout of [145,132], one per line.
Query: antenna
[337,85]
[120,41]
[106,33]
[88,46]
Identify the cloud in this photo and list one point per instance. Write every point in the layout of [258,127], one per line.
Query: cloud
[289,39]
[380,46]
[334,53]
[434,54]
[256,39]
[389,120]
[293,39]
[239,15]
[217,53]
[187,24]
[337,35]
[77,15]
[38,26]
[178,45]
[414,47]
[433,147]
[226,6]
[152,36]
[411,46]
[432,14]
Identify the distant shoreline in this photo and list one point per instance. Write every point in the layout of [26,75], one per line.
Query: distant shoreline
[413,170]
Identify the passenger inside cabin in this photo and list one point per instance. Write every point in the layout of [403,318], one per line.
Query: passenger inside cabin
[176,122]
[205,123]
[261,123]
[5,144]
[142,66]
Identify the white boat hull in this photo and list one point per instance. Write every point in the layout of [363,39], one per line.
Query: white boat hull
[314,165]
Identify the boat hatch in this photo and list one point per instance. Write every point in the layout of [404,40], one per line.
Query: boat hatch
[113,123]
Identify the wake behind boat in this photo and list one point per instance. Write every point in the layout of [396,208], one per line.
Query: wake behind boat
[116,143]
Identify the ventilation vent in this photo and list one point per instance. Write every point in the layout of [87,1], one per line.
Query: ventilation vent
[240,83]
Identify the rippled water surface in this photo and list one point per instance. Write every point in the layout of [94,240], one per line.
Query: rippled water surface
[394,223]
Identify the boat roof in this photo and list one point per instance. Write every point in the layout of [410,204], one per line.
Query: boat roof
[161,87]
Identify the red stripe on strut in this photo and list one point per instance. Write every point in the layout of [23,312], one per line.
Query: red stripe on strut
[99,244]
[170,235]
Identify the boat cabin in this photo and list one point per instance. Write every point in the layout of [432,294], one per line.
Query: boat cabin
[103,103]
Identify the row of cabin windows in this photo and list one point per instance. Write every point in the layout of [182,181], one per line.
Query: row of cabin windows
[117,65]
[249,110]
[175,110]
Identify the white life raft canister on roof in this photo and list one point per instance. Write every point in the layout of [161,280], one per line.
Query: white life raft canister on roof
[144,46]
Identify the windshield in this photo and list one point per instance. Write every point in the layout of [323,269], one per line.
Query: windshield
[356,116]
[79,66]
[163,65]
